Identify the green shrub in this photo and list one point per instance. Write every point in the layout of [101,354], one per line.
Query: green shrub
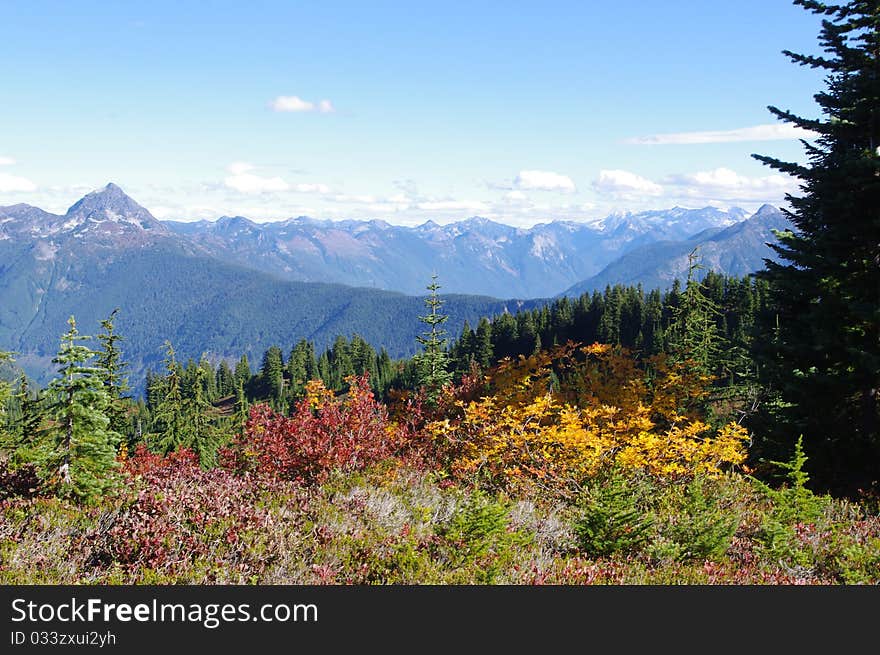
[859,563]
[480,538]
[610,519]
[793,505]
[703,529]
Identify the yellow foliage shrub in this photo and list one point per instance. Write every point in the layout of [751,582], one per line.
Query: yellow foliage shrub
[565,415]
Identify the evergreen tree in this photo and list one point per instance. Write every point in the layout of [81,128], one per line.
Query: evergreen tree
[7,431]
[822,359]
[529,339]
[154,389]
[242,372]
[224,380]
[652,330]
[632,310]
[199,433]
[5,387]
[340,362]
[84,453]
[484,356]
[463,350]
[562,316]
[140,422]
[112,372]
[29,424]
[504,336]
[324,370]
[693,333]
[363,357]
[302,366]
[272,376]
[433,362]
[169,415]
[385,371]
[241,411]
[309,360]
[207,379]
[609,323]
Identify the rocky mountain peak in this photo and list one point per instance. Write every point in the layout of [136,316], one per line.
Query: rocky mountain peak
[112,204]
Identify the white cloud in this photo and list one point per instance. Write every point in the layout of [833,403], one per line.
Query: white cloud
[11,183]
[719,186]
[771,132]
[543,181]
[515,195]
[312,188]
[240,167]
[625,184]
[243,181]
[724,184]
[162,212]
[249,183]
[360,200]
[297,104]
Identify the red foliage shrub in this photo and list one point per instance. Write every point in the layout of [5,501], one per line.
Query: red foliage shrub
[323,433]
[144,461]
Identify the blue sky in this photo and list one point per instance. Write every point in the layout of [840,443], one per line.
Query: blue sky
[402,111]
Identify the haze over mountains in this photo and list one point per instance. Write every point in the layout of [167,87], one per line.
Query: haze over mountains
[233,286]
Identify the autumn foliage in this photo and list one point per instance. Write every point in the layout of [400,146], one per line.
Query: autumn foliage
[578,465]
[564,415]
[182,521]
[325,432]
[557,417]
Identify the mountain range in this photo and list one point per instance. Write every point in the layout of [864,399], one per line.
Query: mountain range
[233,286]
[109,252]
[739,249]
[475,256]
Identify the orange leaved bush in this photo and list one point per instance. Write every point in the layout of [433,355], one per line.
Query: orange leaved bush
[566,414]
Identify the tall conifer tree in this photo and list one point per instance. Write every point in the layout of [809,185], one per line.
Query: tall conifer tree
[272,375]
[84,455]
[169,415]
[200,434]
[693,334]
[113,374]
[242,372]
[433,361]
[821,358]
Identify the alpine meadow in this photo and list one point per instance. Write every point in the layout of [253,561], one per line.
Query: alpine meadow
[465,311]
